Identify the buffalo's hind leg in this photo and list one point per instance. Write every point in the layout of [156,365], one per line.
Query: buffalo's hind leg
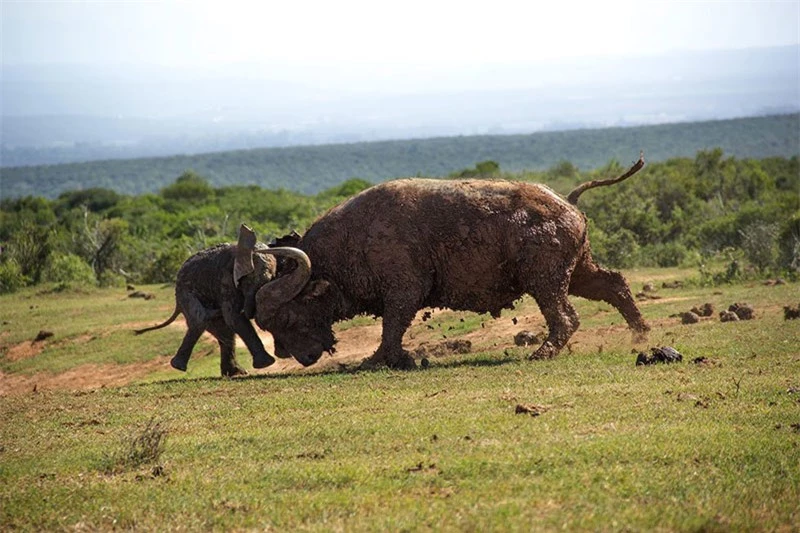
[562,321]
[227,348]
[594,283]
[550,293]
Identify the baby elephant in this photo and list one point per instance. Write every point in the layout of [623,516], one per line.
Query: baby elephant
[216,293]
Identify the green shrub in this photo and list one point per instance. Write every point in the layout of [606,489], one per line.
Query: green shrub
[617,250]
[166,265]
[11,277]
[760,245]
[668,254]
[68,269]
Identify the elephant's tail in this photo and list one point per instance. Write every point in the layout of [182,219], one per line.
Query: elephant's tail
[164,324]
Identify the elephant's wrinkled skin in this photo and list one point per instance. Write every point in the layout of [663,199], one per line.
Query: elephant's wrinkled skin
[216,294]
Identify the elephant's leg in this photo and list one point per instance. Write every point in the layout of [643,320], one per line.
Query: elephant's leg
[197,317]
[244,328]
[227,347]
[181,359]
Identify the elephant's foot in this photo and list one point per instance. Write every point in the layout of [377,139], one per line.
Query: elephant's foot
[178,363]
[263,360]
[233,372]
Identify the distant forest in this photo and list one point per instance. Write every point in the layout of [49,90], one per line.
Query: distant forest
[312,169]
[730,218]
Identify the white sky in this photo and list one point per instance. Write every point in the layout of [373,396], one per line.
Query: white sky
[421,32]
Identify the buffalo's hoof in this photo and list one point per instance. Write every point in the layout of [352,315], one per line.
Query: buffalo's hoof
[641,335]
[545,351]
[371,363]
[404,362]
[178,364]
[263,361]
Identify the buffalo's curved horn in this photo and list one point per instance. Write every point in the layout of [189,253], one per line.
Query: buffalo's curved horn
[243,263]
[279,291]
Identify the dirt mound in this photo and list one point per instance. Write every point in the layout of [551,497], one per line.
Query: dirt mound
[442,349]
[791,313]
[24,350]
[707,309]
[743,311]
[528,338]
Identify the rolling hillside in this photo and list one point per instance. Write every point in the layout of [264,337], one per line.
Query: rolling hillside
[310,169]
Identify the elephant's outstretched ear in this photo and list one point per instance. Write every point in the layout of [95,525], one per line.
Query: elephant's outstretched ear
[243,264]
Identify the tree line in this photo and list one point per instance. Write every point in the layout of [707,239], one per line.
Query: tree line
[678,212]
[312,169]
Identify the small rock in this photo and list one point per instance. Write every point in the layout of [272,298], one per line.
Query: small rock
[42,335]
[664,354]
[529,409]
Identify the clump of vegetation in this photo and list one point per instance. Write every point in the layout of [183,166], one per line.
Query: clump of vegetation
[137,449]
[684,212]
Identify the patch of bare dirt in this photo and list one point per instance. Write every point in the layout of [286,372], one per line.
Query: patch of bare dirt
[24,350]
[355,344]
[84,377]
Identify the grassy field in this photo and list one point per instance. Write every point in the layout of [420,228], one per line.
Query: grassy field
[483,441]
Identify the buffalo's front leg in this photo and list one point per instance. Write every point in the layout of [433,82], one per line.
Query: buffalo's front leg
[396,321]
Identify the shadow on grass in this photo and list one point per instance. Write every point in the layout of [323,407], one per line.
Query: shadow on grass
[476,362]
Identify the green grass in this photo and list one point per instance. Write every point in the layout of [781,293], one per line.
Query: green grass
[669,447]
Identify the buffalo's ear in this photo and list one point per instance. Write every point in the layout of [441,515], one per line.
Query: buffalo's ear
[316,289]
[243,262]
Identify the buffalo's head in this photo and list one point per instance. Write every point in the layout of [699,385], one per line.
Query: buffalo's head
[300,327]
[290,307]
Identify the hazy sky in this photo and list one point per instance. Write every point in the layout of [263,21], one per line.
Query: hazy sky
[354,31]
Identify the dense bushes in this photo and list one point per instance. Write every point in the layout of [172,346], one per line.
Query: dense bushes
[677,213]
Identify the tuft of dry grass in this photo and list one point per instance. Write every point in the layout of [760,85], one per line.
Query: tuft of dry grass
[139,448]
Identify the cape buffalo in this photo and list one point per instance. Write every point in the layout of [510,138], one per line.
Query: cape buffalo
[473,245]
